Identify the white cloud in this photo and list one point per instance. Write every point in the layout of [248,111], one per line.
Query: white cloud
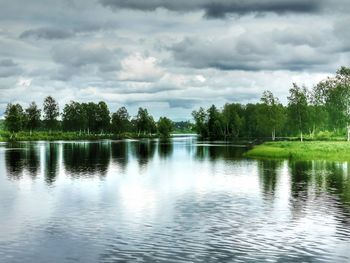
[171,59]
[137,67]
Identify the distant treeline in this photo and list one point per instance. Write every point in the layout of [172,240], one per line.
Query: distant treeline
[323,111]
[88,118]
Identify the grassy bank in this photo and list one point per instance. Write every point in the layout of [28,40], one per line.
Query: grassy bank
[312,150]
[65,136]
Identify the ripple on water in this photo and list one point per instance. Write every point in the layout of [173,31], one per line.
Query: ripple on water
[211,208]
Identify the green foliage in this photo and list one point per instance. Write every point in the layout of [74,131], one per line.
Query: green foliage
[103,117]
[298,111]
[51,113]
[271,116]
[80,121]
[14,117]
[322,113]
[144,122]
[233,119]
[74,117]
[32,117]
[200,118]
[6,136]
[315,150]
[182,127]
[165,127]
[325,108]
[121,121]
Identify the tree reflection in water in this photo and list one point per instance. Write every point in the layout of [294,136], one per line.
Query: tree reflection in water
[86,159]
[21,158]
[165,148]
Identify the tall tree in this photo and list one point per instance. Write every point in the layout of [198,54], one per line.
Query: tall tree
[74,117]
[14,117]
[272,115]
[233,119]
[144,122]
[120,120]
[215,123]
[334,93]
[91,110]
[103,118]
[51,112]
[200,118]
[33,116]
[165,127]
[298,108]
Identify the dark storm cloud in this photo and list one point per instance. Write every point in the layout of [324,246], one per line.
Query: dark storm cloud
[76,60]
[9,68]
[220,8]
[46,33]
[182,103]
[341,31]
[287,49]
[78,56]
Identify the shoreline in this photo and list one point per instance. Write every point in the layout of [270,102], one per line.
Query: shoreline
[307,150]
[74,136]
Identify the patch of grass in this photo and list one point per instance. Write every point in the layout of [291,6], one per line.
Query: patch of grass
[311,150]
[6,136]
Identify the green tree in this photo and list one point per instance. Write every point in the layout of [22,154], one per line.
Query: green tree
[215,123]
[200,118]
[120,121]
[103,119]
[91,110]
[33,117]
[51,112]
[298,109]
[144,122]
[334,94]
[272,115]
[14,117]
[165,127]
[74,117]
[233,116]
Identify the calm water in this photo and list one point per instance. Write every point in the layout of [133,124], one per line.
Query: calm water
[183,201]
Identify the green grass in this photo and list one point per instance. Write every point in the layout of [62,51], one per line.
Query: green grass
[6,136]
[311,150]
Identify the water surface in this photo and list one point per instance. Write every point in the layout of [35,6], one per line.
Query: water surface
[177,201]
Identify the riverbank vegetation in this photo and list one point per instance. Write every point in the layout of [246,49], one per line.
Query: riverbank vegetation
[322,112]
[310,150]
[79,121]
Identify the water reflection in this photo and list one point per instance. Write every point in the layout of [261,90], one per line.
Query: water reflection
[120,153]
[21,159]
[165,149]
[216,152]
[86,159]
[51,162]
[268,174]
[143,151]
[211,205]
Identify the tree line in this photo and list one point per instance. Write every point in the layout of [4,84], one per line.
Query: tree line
[89,118]
[323,109]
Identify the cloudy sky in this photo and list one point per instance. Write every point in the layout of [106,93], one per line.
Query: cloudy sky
[169,56]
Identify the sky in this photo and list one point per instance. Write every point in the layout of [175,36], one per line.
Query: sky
[168,56]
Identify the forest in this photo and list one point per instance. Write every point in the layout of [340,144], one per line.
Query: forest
[83,118]
[322,112]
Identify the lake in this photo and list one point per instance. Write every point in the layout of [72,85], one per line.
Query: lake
[177,201]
